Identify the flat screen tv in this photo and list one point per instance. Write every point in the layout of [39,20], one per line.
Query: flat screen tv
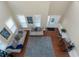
[5,33]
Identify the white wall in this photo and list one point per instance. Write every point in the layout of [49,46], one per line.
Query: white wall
[30,9]
[58,7]
[5,14]
[43,8]
[71,22]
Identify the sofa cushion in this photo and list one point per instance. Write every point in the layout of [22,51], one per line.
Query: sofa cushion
[18,36]
[10,47]
[19,46]
[21,41]
[14,44]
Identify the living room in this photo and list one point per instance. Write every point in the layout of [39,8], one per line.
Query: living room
[36,19]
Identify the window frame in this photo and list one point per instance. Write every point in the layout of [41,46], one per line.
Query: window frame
[12,26]
[20,21]
[37,17]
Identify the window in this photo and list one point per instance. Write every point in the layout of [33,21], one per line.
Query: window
[11,25]
[53,20]
[22,21]
[37,20]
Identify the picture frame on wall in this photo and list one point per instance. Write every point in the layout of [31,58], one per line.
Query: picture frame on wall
[5,33]
[30,20]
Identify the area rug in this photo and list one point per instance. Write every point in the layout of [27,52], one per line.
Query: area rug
[39,47]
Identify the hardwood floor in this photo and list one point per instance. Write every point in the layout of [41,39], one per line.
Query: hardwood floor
[55,42]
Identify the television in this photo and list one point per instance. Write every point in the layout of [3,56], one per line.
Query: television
[5,33]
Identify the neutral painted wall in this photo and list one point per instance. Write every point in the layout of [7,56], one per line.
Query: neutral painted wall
[43,8]
[30,9]
[71,22]
[58,7]
[5,14]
